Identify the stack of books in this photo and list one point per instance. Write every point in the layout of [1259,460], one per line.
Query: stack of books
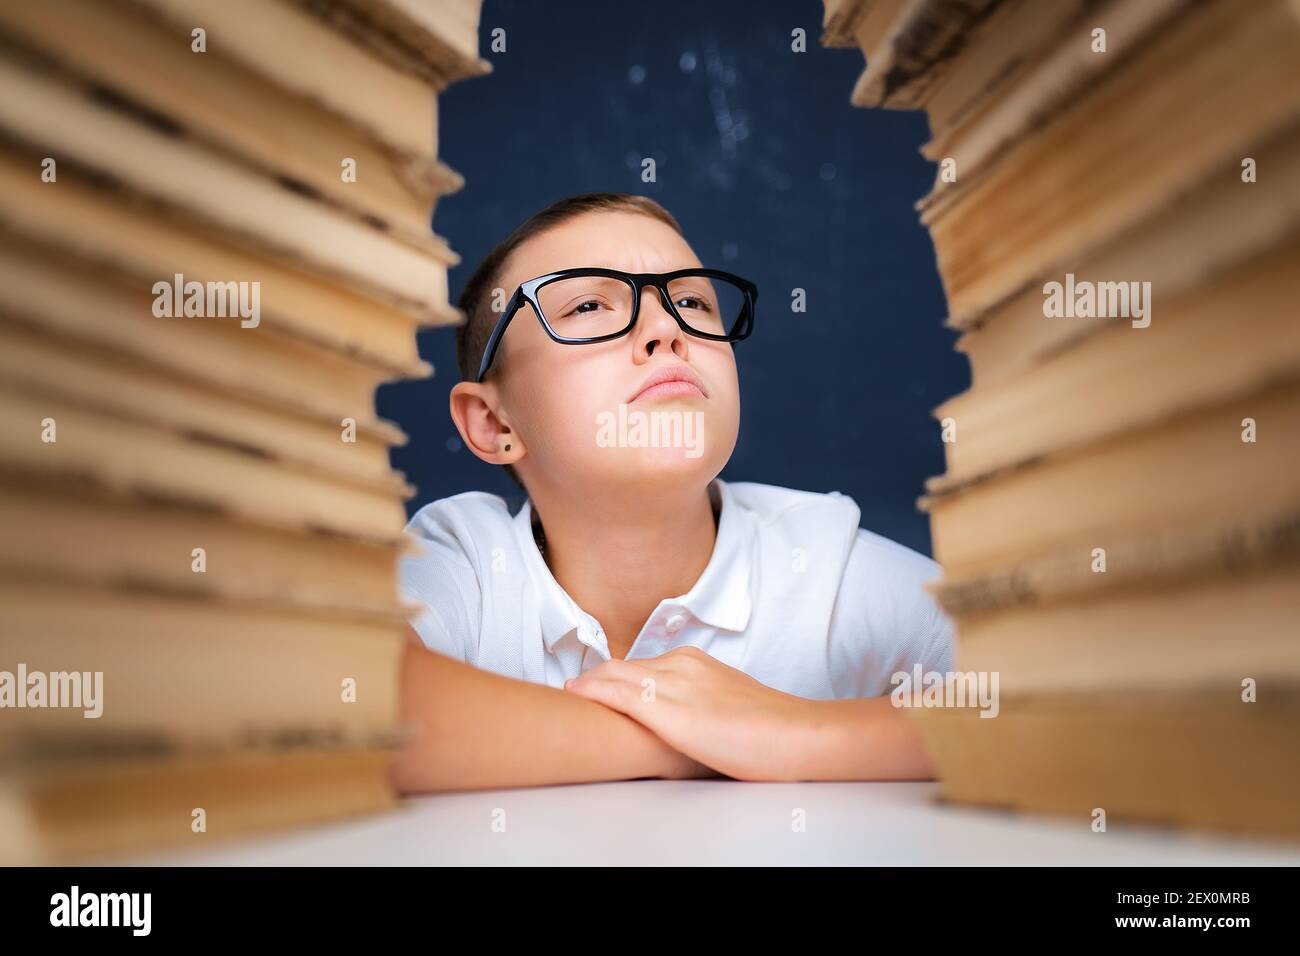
[1117,227]
[215,245]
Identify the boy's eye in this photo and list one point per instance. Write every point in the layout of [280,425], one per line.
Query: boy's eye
[581,307]
[693,302]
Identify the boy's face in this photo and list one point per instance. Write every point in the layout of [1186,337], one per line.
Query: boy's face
[558,405]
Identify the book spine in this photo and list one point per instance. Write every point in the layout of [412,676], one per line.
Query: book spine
[1145,560]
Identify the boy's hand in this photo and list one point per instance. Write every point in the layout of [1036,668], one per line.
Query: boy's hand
[713,713]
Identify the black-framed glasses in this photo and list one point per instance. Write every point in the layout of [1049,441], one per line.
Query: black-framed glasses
[581,306]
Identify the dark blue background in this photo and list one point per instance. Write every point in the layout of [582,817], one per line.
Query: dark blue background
[772,174]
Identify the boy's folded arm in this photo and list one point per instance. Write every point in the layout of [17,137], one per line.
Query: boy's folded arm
[866,738]
[474,729]
[862,735]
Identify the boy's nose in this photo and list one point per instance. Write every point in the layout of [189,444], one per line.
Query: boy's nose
[655,323]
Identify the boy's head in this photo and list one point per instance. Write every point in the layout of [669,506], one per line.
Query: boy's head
[554,404]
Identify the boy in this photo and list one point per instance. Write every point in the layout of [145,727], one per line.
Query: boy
[639,616]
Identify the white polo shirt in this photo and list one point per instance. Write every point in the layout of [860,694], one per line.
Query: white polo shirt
[795,594]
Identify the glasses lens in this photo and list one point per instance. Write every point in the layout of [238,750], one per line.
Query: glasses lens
[586,306]
[581,307]
[708,304]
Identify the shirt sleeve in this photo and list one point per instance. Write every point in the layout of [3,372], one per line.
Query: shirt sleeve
[884,620]
[441,579]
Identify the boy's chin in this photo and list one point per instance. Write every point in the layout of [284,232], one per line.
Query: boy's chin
[644,451]
[635,466]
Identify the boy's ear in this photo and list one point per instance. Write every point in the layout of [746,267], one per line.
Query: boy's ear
[483,424]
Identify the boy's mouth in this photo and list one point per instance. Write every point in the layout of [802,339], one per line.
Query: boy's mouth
[669,381]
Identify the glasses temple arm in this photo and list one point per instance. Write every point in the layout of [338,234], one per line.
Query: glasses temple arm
[494,340]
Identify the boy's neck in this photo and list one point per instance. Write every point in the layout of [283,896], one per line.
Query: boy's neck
[618,560]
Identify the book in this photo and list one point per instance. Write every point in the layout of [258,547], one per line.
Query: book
[175,671]
[105,810]
[231,109]
[1136,558]
[439,41]
[1145,636]
[54,114]
[173,466]
[1132,377]
[1024,68]
[43,365]
[1118,521]
[79,533]
[863,23]
[914,51]
[1212,227]
[201,631]
[142,247]
[1017,222]
[1192,469]
[838,20]
[102,308]
[1011,39]
[1195,759]
[393,105]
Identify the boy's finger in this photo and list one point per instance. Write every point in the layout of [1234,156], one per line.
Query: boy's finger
[615,669]
[616,694]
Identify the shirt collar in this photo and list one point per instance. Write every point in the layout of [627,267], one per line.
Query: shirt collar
[722,597]
[559,613]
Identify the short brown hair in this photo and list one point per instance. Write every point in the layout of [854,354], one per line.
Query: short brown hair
[475,297]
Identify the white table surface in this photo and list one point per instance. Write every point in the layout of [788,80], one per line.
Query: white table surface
[688,822]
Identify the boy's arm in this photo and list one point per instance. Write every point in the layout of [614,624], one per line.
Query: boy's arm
[863,739]
[475,729]
[747,730]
